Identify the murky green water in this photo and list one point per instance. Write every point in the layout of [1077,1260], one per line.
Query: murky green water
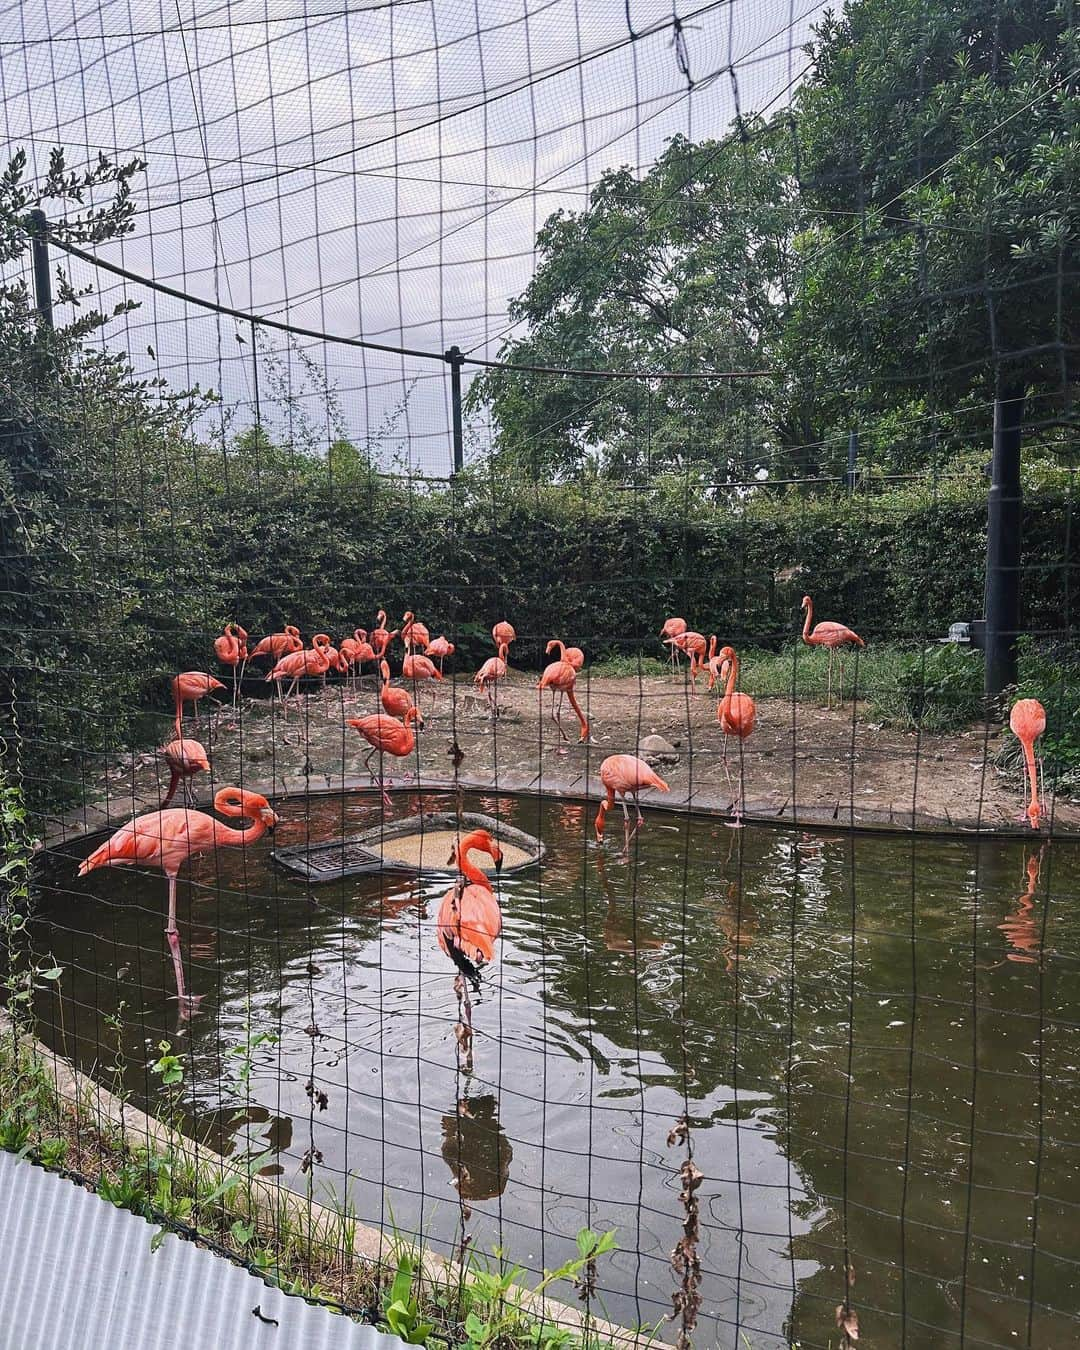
[877,1041]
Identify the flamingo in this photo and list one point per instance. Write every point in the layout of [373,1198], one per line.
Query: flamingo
[503,633]
[490,673]
[413,634]
[388,736]
[1027,721]
[358,651]
[561,676]
[231,650]
[441,647]
[573,656]
[713,662]
[693,645]
[168,838]
[395,702]
[189,687]
[278,645]
[313,660]
[624,776]
[673,628]
[736,714]
[381,633]
[415,667]
[834,636]
[470,919]
[185,758]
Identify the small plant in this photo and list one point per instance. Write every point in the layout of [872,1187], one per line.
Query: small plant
[168,1066]
[126,1189]
[401,1311]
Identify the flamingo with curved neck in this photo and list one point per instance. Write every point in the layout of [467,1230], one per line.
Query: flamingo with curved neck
[737,714]
[1027,721]
[469,921]
[168,838]
[834,637]
[560,677]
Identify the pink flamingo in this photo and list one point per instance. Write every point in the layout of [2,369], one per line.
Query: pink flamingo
[470,919]
[387,736]
[693,645]
[380,634]
[358,651]
[396,702]
[490,673]
[277,645]
[313,660]
[413,634]
[1027,721]
[833,636]
[415,667]
[185,758]
[189,687]
[441,647]
[560,676]
[168,838]
[231,650]
[736,714]
[673,628]
[624,776]
[503,634]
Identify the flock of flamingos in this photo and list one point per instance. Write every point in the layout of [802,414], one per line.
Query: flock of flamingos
[469,918]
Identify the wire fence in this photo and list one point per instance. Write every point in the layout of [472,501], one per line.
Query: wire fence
[743,371]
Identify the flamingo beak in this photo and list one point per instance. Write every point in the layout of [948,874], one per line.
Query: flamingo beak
[498,861]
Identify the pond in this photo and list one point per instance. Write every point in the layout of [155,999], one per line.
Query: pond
[876,1041]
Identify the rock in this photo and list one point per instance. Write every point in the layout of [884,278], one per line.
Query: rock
[655,750]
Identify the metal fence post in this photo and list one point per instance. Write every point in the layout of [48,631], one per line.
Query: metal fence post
[39,252]
[456,360]
[1003,520]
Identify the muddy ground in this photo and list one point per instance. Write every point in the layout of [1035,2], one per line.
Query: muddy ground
[804,764]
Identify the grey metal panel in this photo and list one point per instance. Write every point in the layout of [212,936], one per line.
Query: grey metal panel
[76,1273]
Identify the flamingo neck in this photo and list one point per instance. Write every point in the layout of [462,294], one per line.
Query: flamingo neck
[225,834]
[733,674]
[556,642]
[809,619]
[504,652]
[468,869]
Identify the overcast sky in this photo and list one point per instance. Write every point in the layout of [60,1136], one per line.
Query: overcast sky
[377,170]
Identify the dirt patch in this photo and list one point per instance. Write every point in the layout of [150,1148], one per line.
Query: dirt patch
[803,765]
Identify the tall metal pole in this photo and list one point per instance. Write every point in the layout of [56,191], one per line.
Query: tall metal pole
[39,252]
[1003,519]
[456,359]
[852,454]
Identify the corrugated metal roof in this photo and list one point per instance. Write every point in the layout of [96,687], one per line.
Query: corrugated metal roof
[76,1273]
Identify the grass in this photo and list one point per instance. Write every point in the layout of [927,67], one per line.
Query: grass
[476,1302]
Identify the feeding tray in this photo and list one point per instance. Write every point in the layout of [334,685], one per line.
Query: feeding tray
[417,846]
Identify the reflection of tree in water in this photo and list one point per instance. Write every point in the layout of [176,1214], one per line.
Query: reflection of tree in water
[1022,928]
[476,1149]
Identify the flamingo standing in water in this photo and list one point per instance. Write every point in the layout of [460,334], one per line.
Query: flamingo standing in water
[503,634]
[624,776]
[673,628]
[415,667]
[168,838]
[470,920]
[490,673]
[1027,721]
[560,676]
[189,687]
[185,758]
[413,634]
[736,714]
[441,647]
[834,636]
[387,736]
[231,650]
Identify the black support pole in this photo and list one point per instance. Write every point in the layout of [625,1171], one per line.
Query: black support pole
[1003,519]
[39,250]
[456,360]
[852,456]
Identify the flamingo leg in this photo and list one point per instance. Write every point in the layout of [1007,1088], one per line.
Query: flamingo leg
[188,1002]
[840,663]
[828,699]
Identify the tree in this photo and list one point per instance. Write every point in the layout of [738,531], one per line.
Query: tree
[684,270]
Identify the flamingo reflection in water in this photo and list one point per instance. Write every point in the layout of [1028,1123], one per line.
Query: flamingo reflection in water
[1022,928]
[476,1149]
